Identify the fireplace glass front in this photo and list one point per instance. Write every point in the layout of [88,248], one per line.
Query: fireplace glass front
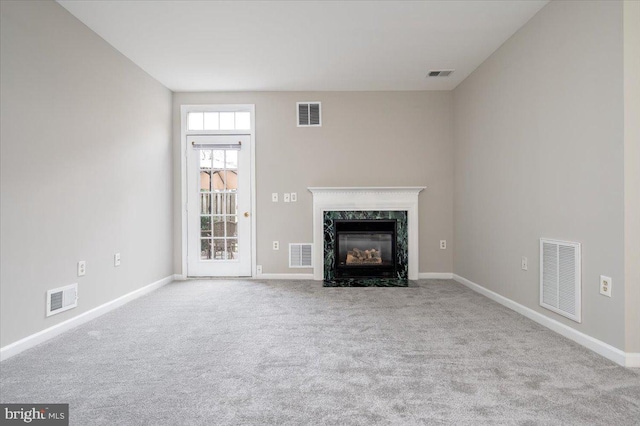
[365,248]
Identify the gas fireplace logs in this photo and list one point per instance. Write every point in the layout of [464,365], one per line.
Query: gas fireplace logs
[361,257]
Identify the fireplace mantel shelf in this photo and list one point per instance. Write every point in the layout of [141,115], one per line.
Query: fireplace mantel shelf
[403,198]
[366,189]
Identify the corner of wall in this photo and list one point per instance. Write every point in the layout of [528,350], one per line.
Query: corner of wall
[632,174]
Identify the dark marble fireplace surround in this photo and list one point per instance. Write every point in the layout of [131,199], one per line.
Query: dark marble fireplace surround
[330,247]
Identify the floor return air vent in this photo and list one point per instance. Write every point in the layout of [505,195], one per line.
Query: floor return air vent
[300,255]
[62,299]
[560,278]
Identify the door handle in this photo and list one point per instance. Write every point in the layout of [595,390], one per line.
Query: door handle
[246,214]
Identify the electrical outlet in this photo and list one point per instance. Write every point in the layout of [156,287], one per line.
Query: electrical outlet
[276,245]
[525,264]
[605,285]
[82,268]
[274,197]
[294,197]
[286,197]
[116,259]
[443,244]
[259,269]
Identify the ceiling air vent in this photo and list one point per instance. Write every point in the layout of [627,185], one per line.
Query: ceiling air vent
[309,114]
[300,255]
[62,299]
[560,278]
[440,73]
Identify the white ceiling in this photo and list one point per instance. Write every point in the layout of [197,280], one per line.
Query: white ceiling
[305,45]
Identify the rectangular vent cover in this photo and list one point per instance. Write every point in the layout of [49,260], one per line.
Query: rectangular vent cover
[300,255]
[560,279]
[440,73]
[309,114]
[62,299]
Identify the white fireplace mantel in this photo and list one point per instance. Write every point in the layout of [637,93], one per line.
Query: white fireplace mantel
[401,198]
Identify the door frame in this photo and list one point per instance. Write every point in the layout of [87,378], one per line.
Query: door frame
[184,110]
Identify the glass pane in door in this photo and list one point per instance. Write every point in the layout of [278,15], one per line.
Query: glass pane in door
[219,204]
[205,249]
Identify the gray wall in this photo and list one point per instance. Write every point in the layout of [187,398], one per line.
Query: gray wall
[632,172]
[539,153]
[367,139]
[86,168]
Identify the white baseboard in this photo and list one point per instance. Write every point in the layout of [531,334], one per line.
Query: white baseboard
[598,346]
[55,330]
[435,276]
[285,277]
[179,277]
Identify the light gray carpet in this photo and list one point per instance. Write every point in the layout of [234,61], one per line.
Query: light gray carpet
[295,353]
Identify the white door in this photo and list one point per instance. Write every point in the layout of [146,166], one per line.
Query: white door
[218,205]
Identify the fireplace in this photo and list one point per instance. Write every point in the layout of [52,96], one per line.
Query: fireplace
[365,248]
[331,204]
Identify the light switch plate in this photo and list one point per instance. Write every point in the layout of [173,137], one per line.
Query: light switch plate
[274,197]
[286,197]
[116,259]
[294,197]
[525,263]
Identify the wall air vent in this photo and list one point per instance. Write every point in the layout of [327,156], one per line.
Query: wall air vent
[560,279]
[440,73]
[300,255]
[62,299]
[309,114]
